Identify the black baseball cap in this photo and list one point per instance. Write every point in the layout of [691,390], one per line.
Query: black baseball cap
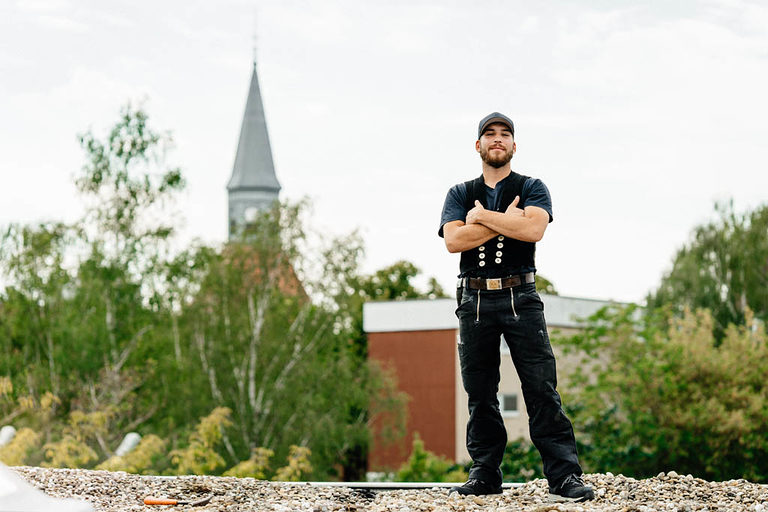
[494,117]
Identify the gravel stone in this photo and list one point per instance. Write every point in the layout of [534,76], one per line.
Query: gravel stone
[119,491]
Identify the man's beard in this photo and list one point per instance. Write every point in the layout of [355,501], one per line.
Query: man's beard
[496,161]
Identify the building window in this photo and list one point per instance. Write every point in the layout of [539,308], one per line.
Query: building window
[508,404]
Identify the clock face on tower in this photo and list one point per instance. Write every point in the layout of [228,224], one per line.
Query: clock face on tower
[251,213]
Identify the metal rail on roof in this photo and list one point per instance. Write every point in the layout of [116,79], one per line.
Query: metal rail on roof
[390,486]
[371,486]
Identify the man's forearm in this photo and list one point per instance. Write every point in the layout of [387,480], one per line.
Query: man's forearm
[513,226]
[468,236]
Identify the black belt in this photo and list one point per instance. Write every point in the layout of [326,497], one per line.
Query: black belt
[477,283]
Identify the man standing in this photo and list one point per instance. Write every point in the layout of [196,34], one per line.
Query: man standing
[494,221]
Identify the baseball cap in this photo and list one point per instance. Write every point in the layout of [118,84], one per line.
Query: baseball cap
[494,117]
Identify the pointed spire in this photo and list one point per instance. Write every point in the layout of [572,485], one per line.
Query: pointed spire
[254,169]
[253,185]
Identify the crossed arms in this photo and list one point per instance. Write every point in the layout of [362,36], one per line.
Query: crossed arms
[481,225]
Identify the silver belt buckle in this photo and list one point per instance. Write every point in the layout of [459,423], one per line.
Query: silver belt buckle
[493,284]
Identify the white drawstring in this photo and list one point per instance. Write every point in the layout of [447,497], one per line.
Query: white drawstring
[512,300]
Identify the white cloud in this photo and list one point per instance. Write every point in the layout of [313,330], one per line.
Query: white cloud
[42,6]
[61,23]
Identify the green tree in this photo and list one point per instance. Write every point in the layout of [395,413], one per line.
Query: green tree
[34,323]
[395,282]
[649,399]
[78,317]
[103,325]
[346,291]
[257,334]
[723,269]
[544,285]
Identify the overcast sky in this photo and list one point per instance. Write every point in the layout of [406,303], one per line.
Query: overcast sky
[638,116]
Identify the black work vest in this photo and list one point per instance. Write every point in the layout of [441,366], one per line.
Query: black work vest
[500,256]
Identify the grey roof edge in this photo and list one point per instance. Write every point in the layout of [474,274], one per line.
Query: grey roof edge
[591,299]
[438,314]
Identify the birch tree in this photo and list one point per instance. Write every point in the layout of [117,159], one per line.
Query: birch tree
[279,356]
[80,314]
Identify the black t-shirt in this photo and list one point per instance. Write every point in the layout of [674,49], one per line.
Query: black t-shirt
[534,193]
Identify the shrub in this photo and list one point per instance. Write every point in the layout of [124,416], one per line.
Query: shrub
[521,462]
[298,465]
[200,456]
[68,452]
[15,453]
[256,466]
[140,460]
[425,466]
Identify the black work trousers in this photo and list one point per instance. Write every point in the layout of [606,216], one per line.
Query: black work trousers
[518,314]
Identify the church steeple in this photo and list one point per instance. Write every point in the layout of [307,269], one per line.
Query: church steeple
[253,185]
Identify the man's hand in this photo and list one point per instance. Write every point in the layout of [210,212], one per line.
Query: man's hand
[473,215]
[512,209]
[525,225]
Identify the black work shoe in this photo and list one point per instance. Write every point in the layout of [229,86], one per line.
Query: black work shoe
[476,488]
[572,489]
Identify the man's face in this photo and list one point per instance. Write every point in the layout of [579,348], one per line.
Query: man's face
[496,145]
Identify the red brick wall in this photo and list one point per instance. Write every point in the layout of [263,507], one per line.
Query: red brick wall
[424,362]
